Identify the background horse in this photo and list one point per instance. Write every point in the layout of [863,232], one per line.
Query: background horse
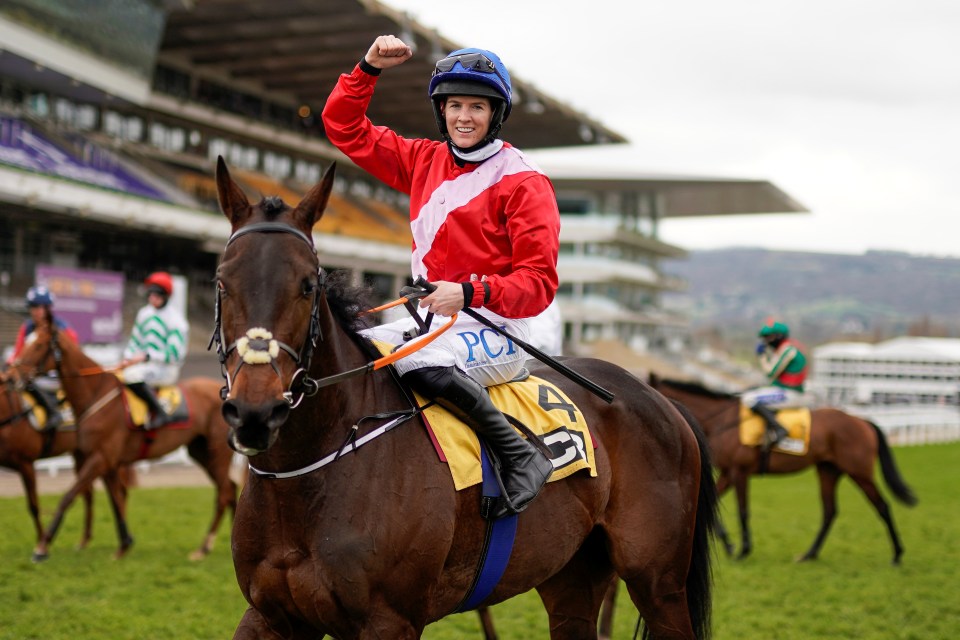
[106,441]
[21,444]
[374,542]
[839,444]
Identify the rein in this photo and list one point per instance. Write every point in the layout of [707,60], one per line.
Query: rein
[258,345]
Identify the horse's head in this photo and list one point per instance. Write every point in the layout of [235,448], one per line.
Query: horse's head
[42,352]
[269,293]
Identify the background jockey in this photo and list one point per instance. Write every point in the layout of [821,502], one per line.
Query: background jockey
[158,345]
[485,231]
[785,366]
[40,306]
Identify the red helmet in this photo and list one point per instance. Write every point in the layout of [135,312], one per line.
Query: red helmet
[162,280]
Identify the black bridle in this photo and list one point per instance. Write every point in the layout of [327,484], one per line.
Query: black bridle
[258,346]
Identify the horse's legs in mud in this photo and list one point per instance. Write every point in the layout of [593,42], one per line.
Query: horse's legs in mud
[217,468]
[86,475]
[870,490]
[723,483]
[829,475]
[572,597]
[117,492]
[741,484]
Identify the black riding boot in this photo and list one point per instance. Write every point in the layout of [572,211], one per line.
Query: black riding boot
[770,417]
[145,393]
[524,469]
[54,419]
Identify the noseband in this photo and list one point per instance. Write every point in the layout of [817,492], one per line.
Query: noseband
[258,345]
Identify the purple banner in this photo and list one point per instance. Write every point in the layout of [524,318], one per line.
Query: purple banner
[24,147]
[91,301]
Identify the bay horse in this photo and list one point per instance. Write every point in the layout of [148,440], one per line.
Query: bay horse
[107,442]
[21,444]
[839,444]
[374,542]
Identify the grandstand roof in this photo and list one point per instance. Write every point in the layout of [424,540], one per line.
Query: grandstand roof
[903,348]
[297,49]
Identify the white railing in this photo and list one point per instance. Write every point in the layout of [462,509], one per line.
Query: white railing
[913,424]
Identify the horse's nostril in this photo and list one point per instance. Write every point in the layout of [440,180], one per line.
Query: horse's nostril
[231,414]
[279,414]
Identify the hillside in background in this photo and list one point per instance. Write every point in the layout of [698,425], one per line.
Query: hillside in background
[822,296]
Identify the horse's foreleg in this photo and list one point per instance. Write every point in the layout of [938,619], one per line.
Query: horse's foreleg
[741,483]
[828,475]
[486,624]
[723,483]
[117,492]
[28,477]
[217,467]
[607,609]
[90,471]
[87,520]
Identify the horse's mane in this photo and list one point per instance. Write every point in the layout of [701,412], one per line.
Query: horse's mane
[697,389]
[346,301]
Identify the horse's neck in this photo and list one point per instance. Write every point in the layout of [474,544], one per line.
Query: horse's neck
[82,390]
[324,422]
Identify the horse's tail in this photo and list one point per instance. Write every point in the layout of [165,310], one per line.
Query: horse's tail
[891,474]
[700,577]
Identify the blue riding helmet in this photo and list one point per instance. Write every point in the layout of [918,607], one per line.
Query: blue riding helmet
[472,72]
[39,297]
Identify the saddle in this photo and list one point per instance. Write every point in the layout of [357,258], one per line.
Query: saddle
[796,421]
[536,404]
[171,398]
[37,415]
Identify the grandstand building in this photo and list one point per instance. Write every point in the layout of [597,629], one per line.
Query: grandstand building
[113,112]
[905,370]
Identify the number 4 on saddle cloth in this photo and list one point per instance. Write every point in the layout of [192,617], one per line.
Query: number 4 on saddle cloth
[796,421]
[540,405]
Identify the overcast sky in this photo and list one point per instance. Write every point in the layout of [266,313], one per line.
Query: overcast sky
[850,106]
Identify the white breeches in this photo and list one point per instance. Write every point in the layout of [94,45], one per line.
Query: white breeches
[773,397]
[485,355]
[156,374]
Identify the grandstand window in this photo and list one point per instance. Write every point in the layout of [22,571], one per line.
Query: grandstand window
[276,165]
[123,127]
[167,138]
[307,172]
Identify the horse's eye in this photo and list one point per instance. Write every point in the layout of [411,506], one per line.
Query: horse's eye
[308,288]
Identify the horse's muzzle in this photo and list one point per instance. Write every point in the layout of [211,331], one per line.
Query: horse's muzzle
[254,428]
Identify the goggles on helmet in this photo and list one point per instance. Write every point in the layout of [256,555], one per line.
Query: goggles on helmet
[475,61]
[471,61]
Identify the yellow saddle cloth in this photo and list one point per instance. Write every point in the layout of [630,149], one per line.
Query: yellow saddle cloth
[795,421]
[171,398]
[538,404]
[38,415]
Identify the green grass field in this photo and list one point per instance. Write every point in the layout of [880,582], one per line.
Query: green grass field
[852,591]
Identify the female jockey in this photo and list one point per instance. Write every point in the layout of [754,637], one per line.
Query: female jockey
[157,347]
[485,231]
[40,306]
[785,366]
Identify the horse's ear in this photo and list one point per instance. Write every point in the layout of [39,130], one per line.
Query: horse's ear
[654,379]
[233,201]
[311,207]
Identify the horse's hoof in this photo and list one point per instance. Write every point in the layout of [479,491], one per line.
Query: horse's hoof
[198,555]
[39,556]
